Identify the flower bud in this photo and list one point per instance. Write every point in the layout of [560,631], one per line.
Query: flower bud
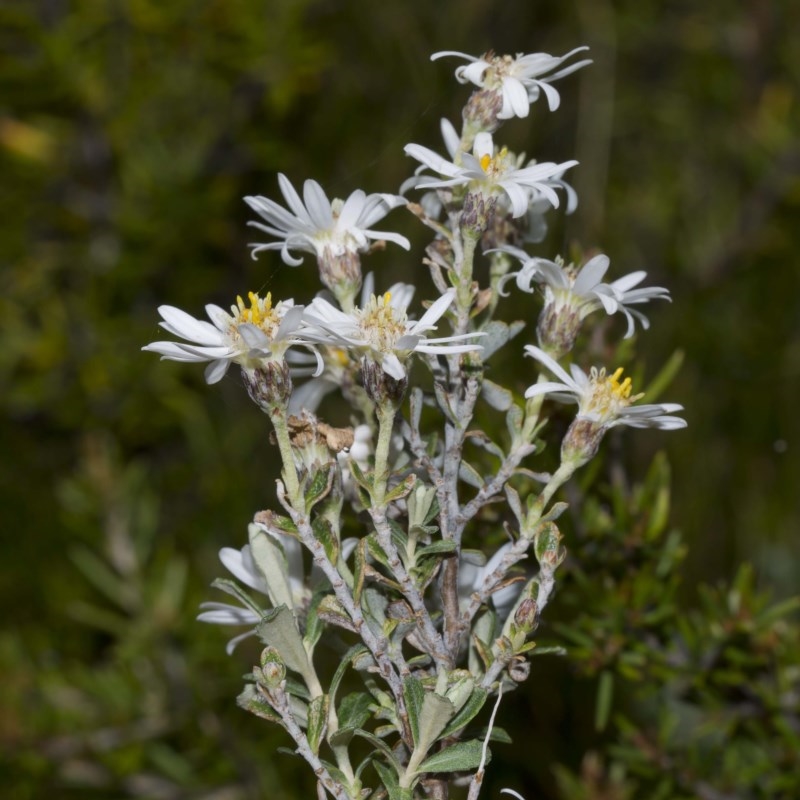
[526,614]
[273,669]
[547,546]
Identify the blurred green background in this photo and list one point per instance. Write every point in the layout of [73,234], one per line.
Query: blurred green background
[130,131]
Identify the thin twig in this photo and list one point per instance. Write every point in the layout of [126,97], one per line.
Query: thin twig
[280,702]
[430,636]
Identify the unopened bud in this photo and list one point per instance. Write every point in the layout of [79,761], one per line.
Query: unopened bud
[547,546]
[526,614]
[478,212]
[273,669]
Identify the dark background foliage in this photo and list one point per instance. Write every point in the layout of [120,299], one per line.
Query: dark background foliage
[129,132]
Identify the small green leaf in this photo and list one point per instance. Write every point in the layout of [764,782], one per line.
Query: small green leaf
[365,481]
[460,757]
[496,735]
[354,710]
[323,532]
[253,701]
[414,695]
[317,721]
[379,744]
[514,420]
[374,605]
[348,659]
[319,486]
[314,624]
[436,712]
[437,548]
[330,610]
[467,713]
[401,490]
[279,629]
[497,334]
[470,475]
[514,503]
[376,551]
[390,782]
[360,569]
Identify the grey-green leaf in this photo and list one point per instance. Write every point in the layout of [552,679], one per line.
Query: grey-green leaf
[271,562]
[468,711]
[279,629]
[460,757]
[437,711]
[317,721]
[498,397]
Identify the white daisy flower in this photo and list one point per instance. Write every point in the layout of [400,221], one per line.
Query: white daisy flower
[318,225]
[535,227]
[381,329]
[604,402]
[572,293]
[520,80]
[493,175]
[248,336]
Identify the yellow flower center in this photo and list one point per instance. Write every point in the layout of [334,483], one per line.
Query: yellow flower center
[260,313]
[609,395]
[494,165]
[621,390]
[381,324]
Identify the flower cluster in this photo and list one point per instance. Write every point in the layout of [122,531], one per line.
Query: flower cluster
[433,628]
[255,336]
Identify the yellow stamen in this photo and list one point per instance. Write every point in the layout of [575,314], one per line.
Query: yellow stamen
[623,389]
[259,311]
[486,160]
